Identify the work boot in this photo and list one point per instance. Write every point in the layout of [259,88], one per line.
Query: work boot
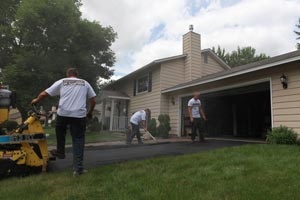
[78,173]
[57,155]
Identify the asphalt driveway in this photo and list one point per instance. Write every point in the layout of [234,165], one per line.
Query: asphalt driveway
[97,156]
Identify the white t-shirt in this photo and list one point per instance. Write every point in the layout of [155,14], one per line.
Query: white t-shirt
[195,104]
[73,94]
[137,117]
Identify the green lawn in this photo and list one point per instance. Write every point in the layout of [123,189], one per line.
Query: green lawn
[89,137]
[246,172]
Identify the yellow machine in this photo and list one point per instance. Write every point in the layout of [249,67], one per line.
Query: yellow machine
[23,150]
[6,100]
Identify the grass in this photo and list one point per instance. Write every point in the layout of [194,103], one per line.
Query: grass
[89,137]
[245,172]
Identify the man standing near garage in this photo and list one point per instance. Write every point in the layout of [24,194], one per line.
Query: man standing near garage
[196,114]
[72,112]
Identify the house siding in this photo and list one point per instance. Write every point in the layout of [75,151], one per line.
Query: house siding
[192,47]
[149,100]
[166,75]
[285,102]
[174,115]
[172,73]
[211,66]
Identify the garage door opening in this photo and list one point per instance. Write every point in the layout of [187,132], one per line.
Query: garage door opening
[239,112]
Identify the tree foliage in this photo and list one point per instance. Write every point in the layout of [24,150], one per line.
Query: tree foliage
[45,37]
[241,56]
[152,127]
[297,32]
[8,10]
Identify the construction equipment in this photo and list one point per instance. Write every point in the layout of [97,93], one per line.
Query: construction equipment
[24,150]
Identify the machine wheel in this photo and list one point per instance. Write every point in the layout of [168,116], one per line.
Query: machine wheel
[10,168]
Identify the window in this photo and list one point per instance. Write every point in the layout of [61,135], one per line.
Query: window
[142,84]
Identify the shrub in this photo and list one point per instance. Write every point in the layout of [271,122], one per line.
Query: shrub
[282,135]
[96,126]
[164,125]
[9,125]
[152,126]
[105,128]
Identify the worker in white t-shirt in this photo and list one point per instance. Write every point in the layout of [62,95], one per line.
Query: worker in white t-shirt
[72,112]
[195,110]
[135,120]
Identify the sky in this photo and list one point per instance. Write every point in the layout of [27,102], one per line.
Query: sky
[152,29]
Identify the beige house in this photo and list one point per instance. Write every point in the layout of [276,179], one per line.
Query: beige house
[243,101]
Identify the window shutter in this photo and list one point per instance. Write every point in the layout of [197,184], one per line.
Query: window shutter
[134,87]
[150,82]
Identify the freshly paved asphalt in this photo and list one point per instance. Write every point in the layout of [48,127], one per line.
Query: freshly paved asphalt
[97,156]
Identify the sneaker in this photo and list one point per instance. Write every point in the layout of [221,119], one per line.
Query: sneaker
[58,155]
[78,173]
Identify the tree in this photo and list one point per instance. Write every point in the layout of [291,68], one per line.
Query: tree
[220,53]
[50,37]
[241,56]
[298,34]
[7,40]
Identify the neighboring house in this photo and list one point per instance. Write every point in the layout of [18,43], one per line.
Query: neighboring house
[242,101]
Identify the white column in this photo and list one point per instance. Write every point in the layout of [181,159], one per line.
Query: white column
[103,113]
[112,110]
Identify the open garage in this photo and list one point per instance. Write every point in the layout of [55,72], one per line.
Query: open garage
[237,112]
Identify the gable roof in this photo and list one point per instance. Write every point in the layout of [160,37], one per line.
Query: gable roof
[159,61]
[151,64]
[216,58]
[113,94]
[264,64]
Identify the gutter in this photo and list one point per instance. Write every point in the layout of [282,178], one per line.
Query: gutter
[234,74]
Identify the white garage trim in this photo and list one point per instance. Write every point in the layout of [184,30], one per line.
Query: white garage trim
[269,79]
[271,99]
[230,86]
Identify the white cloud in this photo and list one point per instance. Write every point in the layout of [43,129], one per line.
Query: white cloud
[159,49]
[266,25]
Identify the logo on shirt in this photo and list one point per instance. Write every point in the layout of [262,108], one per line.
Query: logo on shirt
[73,82]
[196,104]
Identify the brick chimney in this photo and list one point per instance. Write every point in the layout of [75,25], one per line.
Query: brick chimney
[192,48]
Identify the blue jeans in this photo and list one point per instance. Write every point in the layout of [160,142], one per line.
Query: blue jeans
[77,128]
